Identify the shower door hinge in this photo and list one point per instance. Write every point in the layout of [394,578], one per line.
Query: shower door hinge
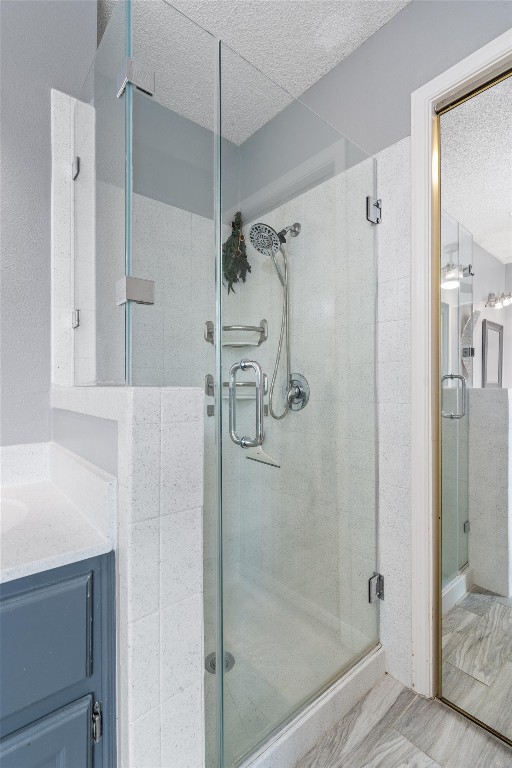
[373,210]
[135,289]
[75,318]
[468,351]
[209,385]
[209,332]
[75,168]
[467,526]
[97,722]
[139,75]
[376,588]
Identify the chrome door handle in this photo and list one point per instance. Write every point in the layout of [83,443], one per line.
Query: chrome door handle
[453,376]
[244,365]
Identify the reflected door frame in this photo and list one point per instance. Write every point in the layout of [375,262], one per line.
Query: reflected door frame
[468,75]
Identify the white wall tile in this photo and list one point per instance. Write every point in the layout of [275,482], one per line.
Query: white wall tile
[142,568]
[394,396]
[139,471]
[181,553]
[182,729]
[144,747]
[182,467]
[143,666]
[181,646]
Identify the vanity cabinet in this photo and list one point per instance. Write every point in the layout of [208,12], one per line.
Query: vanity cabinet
[57,667]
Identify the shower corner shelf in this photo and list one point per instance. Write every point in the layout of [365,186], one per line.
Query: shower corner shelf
[262,329]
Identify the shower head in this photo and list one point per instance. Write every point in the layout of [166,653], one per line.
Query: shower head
[264,239]
[267,241]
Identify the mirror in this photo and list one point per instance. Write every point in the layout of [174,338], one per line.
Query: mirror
[492,354]
[475,346]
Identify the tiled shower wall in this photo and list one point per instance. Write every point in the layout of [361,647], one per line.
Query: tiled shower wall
[307,530]
[175,249]
[490,488]
[394,397]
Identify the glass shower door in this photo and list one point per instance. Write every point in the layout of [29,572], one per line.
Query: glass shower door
[457,374]
[297,407]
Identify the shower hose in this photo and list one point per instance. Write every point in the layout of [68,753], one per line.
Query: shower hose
[285,332]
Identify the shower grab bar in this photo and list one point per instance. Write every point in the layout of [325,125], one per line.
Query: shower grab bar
[244,365]
[453,376]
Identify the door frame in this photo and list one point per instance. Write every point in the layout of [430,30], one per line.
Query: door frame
[462,78]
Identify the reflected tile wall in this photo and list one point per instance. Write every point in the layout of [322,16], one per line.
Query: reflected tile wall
[490,489]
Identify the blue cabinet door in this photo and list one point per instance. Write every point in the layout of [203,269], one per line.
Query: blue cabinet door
[45,641]
[60,740]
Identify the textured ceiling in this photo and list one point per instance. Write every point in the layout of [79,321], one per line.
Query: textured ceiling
[476,168]
[292,42]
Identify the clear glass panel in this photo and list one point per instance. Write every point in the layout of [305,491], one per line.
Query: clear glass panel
[456,340]
[173,244]
[99,236]
[299,539]
[173,203]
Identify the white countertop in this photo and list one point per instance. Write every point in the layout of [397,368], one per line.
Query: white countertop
[40,528]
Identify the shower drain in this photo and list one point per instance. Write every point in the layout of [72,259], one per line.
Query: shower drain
[210,662]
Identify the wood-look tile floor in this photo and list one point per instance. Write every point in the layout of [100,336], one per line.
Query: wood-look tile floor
[477,658]
[392,727]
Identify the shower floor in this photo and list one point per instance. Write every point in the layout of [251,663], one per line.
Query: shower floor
[280,653]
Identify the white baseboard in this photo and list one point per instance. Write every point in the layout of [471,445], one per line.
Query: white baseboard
[296,739]
[456,589]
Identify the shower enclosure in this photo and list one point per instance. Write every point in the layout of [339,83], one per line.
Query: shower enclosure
[457,377]
[187,137]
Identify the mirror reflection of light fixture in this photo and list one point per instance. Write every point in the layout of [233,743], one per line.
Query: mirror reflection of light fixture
[451,274]
[498,302]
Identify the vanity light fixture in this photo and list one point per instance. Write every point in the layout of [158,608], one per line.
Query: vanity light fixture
[498,302]
[451,274]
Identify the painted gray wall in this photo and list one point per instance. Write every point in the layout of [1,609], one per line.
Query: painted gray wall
[44,44]
[367,96]
[92,438]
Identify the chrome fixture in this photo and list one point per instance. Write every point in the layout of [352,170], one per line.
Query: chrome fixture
[373,210]
[262,329]
[135,289]
[451,275]
[260,385]
[498,302]
[138,74]
[452,377]
[298,394]
[269,242]
[210,663]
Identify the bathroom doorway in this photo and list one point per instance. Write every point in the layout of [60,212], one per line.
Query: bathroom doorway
[475,342]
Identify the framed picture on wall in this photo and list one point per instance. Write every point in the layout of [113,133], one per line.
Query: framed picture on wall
[492,354]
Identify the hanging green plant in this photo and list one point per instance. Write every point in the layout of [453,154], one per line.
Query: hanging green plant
[234,255]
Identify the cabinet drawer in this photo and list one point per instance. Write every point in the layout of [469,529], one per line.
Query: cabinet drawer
[45,641]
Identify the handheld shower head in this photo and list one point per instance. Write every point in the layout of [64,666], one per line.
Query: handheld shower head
[267,241]
[264,239]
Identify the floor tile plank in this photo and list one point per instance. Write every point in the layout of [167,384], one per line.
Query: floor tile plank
[432,727]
